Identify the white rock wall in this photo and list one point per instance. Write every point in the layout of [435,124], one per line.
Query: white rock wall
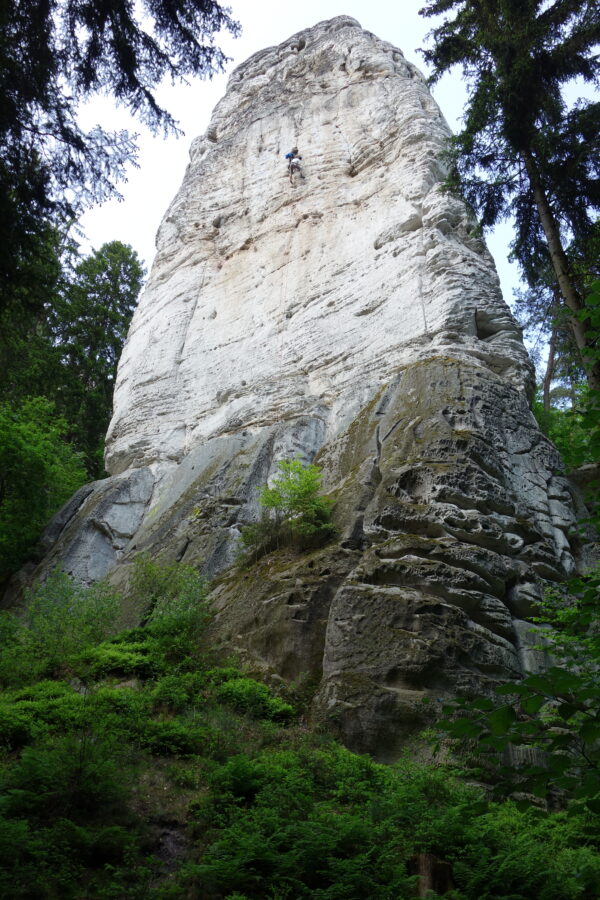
[269,300]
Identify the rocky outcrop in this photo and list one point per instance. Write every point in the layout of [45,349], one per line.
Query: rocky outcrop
[354,318]
[453,516]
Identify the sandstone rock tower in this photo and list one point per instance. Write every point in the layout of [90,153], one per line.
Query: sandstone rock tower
[354,318]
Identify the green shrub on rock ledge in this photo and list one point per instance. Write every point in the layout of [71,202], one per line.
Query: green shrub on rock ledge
[296,514]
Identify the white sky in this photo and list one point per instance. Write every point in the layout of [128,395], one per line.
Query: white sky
[149,189]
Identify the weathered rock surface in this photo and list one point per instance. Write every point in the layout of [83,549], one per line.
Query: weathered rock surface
[268,301]
[353,318]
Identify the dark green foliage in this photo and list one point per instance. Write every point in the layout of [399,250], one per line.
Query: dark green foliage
[43,709]
[67,351]
[39,471]
[567,426]
[540,312]
[513,854]
[518,56]
[167,592]
[262,810]
[326,823]
[254,698]
[16,728]
[56,802]
[555,713]
[88,326]
[591,413]
[60,620]
[73,777]
[171,601]
[262,537]
[55,55]
[522,151]
[26,355]
[172,738]
[299,515]
[566,408]
[176,692]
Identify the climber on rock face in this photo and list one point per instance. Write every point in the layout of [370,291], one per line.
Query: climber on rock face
[294,164]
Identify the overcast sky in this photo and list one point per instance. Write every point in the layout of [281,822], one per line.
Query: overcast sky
[150,188]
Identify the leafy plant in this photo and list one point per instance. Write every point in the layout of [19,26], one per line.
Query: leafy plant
[60,619]
[548,727]
[89,767]
[122,660]
[567,427]
[88,324]
[168,595]
[294,495]
[298,514]
[74,776]
[254,698]
[39,471]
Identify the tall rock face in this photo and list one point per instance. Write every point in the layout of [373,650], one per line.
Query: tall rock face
[270,301]
[353,318]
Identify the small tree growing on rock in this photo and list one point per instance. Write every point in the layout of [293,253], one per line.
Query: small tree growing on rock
[296,514]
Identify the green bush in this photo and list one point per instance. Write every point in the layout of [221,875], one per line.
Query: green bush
[295,497]
[568,428]
[171,738]
[329,824]
[40,863]
[299,515]
[168,596]
[273,812]
[76,777]
[510,853]
[26,715]
[51,842]
[219,674]
[255,699]
[17,727]
[59,620]
[121,712]
[122,660]
[179,691]
[262,537]
[43,691]
[39,471]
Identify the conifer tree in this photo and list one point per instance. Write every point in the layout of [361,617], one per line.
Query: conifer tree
[89,325]
[55,54]
[522,151]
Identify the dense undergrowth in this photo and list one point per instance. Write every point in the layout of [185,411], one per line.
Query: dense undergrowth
[136,765]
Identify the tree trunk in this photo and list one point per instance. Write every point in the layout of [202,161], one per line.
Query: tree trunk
[549,371]
[434,874]
[560,264]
